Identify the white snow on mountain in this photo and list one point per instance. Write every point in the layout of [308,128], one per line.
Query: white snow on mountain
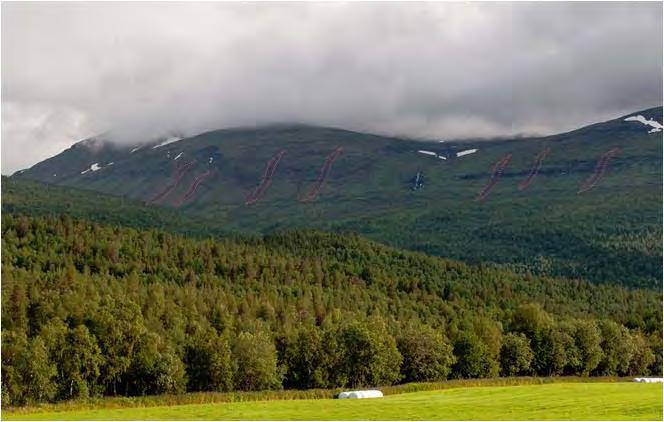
[466,152]
[167,141]
[93,167]
[656,126]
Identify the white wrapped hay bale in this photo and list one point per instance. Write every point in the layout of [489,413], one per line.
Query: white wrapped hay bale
[372,394]
[360,394]
[648,380]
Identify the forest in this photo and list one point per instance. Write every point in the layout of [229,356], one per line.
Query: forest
[619,242]
[92,309]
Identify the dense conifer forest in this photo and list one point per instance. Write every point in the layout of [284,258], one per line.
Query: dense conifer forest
[91,309]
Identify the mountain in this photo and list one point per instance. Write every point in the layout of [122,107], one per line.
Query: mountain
[584,204]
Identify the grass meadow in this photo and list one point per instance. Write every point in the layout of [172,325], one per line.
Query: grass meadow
[548,401]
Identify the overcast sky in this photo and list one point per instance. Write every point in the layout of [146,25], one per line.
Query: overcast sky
[443,70]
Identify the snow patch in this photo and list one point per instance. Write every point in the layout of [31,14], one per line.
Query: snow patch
[167,141]
[135,149]
[211,159]
[442,157]
[93,167]
[178,156]
[466,152]
[656,126]
[110,164]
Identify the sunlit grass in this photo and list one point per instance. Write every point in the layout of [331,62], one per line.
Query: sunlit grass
[565,401]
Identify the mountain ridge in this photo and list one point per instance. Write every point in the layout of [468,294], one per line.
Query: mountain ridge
[412,194]
[653,112]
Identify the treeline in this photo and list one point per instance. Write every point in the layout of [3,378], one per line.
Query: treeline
[91,310]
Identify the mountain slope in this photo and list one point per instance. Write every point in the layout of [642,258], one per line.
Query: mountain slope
[27,197]
[607,233]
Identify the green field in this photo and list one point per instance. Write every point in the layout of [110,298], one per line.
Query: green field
[577,401]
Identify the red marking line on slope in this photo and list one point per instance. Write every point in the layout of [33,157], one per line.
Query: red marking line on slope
[497,169]
[266,180]
[600,170]
[325,169]
[194,185]
[177,177]
[535,169]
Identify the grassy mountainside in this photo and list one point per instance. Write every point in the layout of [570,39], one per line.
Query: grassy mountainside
[26,197]
[609,233]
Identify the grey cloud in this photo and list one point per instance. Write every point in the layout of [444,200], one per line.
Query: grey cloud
[444,70]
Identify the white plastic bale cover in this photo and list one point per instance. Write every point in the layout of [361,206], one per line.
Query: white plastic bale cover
[360,394]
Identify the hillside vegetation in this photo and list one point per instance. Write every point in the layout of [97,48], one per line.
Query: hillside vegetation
[578,216]
[26,197]
[90,309]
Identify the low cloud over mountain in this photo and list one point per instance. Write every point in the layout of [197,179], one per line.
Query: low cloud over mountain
[139,70]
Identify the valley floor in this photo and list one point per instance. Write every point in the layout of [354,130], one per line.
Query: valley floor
[559,401]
